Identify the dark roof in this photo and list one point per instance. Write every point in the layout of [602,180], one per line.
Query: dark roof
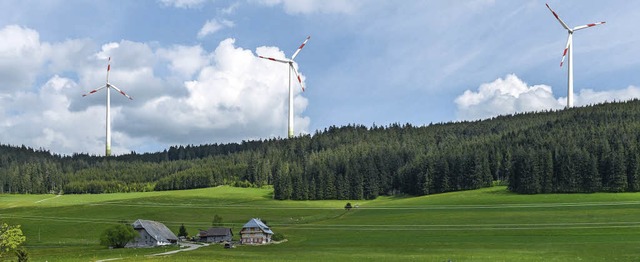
[256,222]
[216,231]
[156,230]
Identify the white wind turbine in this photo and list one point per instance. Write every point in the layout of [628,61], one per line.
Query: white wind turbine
[569,48]
[291,67]
[108,86]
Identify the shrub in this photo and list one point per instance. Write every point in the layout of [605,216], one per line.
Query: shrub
[117,236]
[11,238]
[277,237]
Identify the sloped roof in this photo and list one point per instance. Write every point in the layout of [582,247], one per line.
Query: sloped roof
[256,222]
[216,231]
[156,230]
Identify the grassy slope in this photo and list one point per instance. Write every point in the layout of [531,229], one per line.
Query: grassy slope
[482,225]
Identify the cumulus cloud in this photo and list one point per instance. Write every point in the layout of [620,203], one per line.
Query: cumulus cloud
[512,95]
[183,3]
[21,56]
[237,95]
[182,95]
[185,60]
[314,6]
[213,26]
[42,120]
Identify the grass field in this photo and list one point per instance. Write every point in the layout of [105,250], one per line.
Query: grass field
[481,225]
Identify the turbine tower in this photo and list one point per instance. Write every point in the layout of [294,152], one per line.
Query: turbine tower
[569,49]
[108,86]
[291,68]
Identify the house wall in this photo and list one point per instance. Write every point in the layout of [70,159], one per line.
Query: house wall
[143,240]
[254,236]
[215,239]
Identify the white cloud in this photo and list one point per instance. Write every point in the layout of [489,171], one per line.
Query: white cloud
[237,96]
[185,60]
[183,3]
[213,26]
[230,9]
[182,95]
[314,6]
[42,120]
[590,97]
[512,95]
[21,56]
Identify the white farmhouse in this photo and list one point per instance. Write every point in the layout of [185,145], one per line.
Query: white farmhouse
[255,232]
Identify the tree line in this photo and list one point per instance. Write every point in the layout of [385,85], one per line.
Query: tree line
[587,149]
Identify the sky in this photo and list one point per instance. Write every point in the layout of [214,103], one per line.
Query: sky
[193,70]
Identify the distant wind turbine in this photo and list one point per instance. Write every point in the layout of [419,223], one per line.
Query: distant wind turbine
[108,86]
[291,67]
[569,48]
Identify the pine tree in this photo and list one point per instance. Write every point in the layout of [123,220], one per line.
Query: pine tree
[182,232]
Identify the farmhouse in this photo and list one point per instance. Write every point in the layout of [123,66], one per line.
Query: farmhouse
[215,235]
[255,232]
[151,234]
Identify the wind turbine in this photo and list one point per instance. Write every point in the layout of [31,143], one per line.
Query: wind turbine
[108,86]
[291,68]
[569,49]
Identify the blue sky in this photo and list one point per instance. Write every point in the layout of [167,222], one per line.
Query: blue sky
[193,70]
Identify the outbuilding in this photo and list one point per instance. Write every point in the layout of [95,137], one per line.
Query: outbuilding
[215,235]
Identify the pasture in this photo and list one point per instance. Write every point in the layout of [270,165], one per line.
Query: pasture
[482,225]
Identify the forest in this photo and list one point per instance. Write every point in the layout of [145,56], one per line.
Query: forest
[585,149]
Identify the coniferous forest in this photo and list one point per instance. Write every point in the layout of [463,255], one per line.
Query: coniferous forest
[587,149]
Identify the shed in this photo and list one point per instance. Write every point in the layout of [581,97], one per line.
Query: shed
[215,235]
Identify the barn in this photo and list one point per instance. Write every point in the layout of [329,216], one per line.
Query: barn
[152,234]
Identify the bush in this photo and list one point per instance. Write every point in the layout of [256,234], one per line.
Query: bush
[277,237]
[11,238]
[117,236]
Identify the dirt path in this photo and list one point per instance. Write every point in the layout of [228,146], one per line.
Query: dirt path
[42,200]
[189,247]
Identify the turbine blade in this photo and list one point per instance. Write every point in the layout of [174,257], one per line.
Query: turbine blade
[108,69]
[587,26]
[300,48]
[275,59]
[566,48]
[557,17]
[297,76]
[120,91]
[93,91]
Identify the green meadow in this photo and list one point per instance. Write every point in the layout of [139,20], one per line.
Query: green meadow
[481,225]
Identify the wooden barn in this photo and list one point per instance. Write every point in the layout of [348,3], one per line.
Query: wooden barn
[215,235]
[152,234]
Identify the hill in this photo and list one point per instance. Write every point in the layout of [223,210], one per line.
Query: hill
[588,149]
[488,224]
